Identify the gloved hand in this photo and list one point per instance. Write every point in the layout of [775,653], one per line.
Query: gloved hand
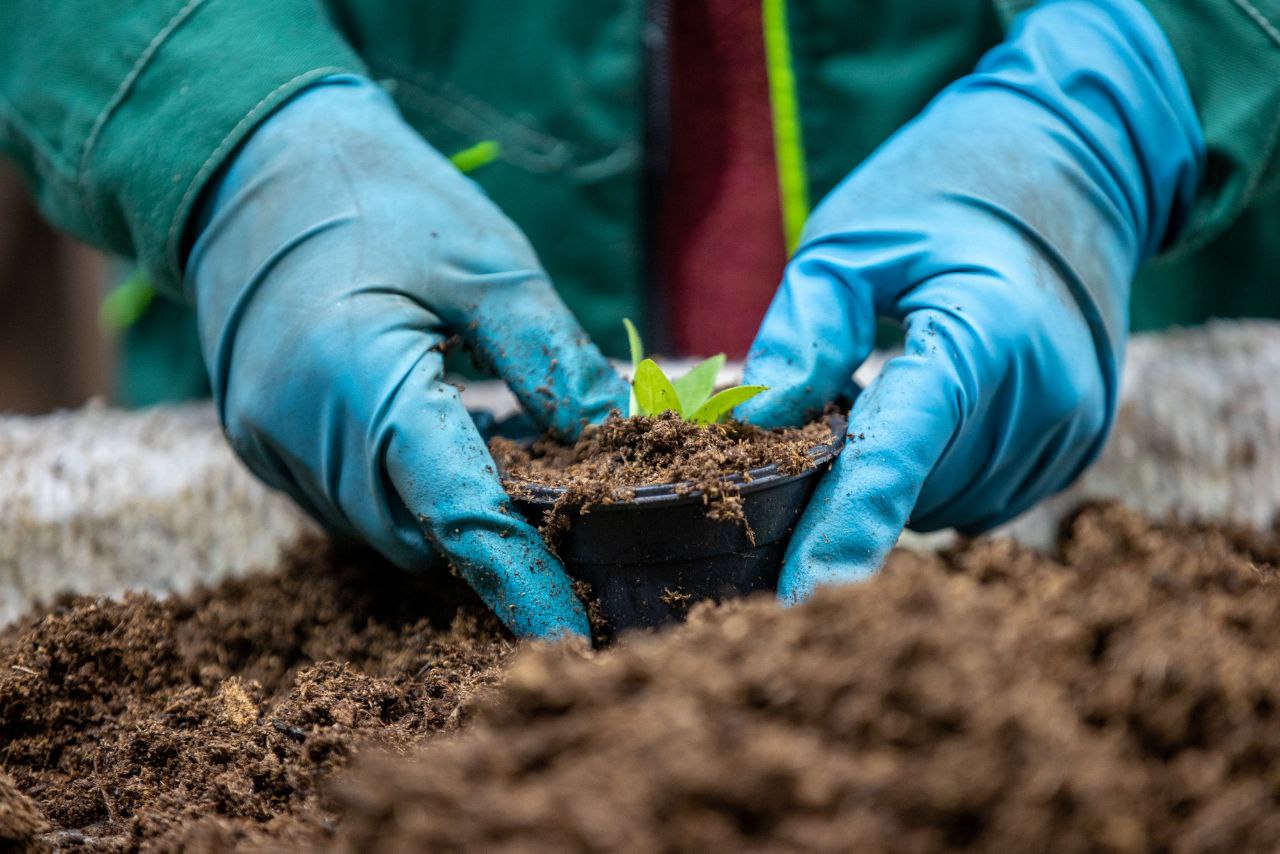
[333,259]
[1003,227]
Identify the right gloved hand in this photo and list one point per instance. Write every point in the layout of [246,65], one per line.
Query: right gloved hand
[1002,227]
[332,260]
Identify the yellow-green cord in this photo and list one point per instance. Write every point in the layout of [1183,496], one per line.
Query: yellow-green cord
[788,144]
[473,157]
[125,303]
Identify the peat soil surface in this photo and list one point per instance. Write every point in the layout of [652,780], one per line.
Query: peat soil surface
[1122,694]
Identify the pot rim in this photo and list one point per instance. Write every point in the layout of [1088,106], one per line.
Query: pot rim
[754,480]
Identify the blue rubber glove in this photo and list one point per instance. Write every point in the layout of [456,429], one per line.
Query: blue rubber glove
[333,259]
[1003,227]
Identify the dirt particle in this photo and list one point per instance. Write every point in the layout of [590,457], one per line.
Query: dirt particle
[238,708]
[595,614]
[677,600]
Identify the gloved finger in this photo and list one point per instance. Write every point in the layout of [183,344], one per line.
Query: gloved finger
[818,330]
[898,429]
[444,476]
[430,233]
[527,334]
[485,423]
[489,287]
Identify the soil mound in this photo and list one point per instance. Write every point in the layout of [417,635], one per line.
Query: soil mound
[209,721]
[609,459]
[1120,696]
[20,820]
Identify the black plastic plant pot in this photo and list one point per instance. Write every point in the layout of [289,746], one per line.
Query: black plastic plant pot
[648,560]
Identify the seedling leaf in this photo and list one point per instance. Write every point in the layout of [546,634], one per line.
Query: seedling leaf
[695,387]
[633,339]
[719,406]
[654,392]
[637,355]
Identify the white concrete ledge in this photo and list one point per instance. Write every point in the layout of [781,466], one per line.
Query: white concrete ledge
[99,500]
[1197,433]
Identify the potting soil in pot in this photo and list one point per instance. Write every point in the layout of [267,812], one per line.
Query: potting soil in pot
[610,459]
[653,514]
[1121,694]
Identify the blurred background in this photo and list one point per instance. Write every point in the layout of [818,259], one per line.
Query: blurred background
[77,325]
[54,350]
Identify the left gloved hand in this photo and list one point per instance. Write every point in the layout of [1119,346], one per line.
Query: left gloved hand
[1003,227]
[334,258]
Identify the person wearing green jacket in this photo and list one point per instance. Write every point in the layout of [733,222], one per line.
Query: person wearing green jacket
[994,180]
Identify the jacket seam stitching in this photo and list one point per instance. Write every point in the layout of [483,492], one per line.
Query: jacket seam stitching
[39,145]
[1269,147]
[227,142]
[1195,227]
[118,97]
[1260,18]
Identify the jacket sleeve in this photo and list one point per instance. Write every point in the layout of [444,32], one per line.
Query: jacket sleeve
[119,113]
[1229,52]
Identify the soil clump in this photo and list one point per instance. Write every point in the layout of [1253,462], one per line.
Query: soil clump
[612,458]
[21,823]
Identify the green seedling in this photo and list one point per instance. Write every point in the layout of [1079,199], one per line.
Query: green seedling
[693,396]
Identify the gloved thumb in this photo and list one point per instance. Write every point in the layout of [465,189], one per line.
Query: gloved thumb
[818,330]
[898,429]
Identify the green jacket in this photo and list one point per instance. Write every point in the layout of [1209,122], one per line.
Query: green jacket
[120,114]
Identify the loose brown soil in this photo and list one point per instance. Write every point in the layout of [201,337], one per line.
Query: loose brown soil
[213,719]
[1122,697]
[20,820]
[609,460]
[1122,694]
